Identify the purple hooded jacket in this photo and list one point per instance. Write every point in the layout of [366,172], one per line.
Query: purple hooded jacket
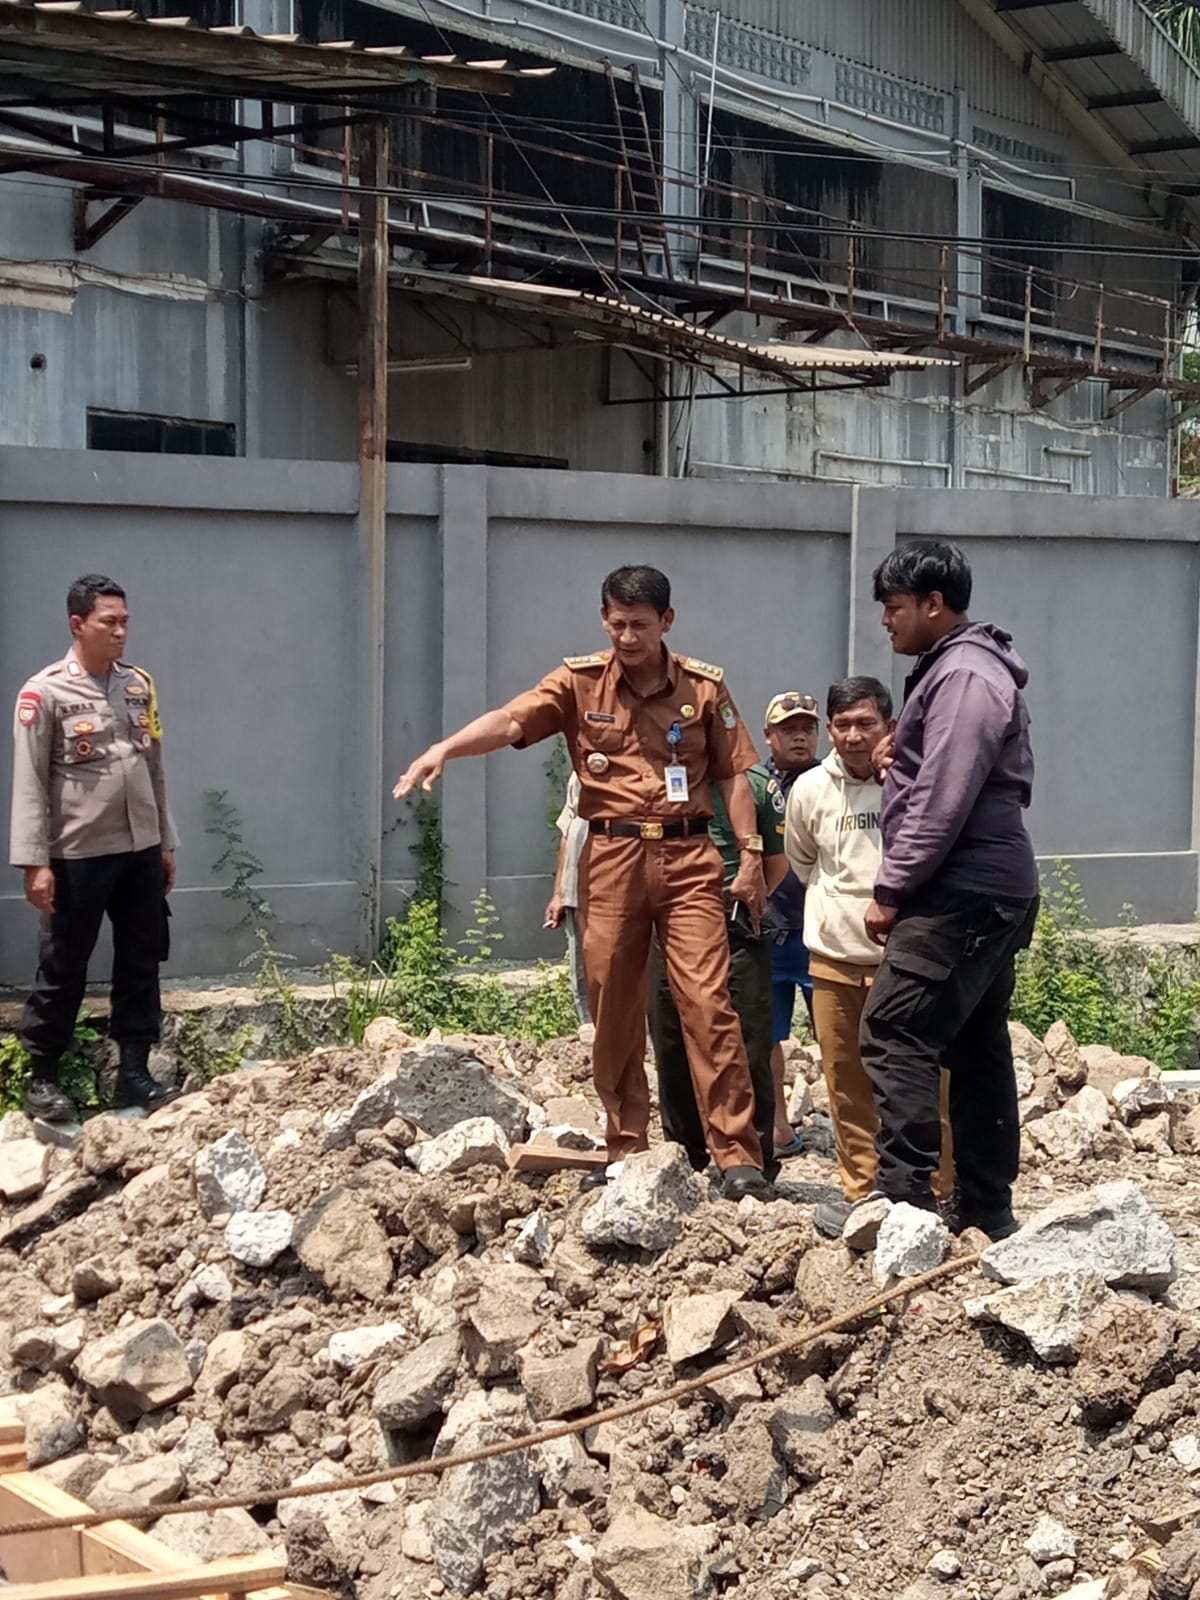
[963,774]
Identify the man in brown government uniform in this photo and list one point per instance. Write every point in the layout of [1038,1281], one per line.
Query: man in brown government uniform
[91,830]
[647,731]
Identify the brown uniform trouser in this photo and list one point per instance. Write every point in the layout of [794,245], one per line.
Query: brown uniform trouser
[630,887]
[837,1016]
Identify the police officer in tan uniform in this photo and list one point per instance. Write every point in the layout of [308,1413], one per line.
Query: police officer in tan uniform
[648,732]
[92,833]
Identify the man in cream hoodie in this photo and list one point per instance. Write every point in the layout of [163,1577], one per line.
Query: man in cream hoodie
[834,845]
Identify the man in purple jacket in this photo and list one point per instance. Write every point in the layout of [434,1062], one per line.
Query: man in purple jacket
[956,894]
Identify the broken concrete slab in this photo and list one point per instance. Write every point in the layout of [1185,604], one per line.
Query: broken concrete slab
[222,1363]
[477,1142]
[48,1348]
[694,1324]
[339,1240]
[49,1211]
[259,1238]
[1050,1541]
[439,1084]
[557,1385]
[476,1507]
[911,1241]
[861,1228]
[1051,1313]
[1111,1228]
[24,1168]
[353,1346]
[141,1367]
[52,1429]
[413,1389]
[155,1481]
[1063,1136]
[533,1242]
[645,1557]
[646,1203]
[115,1144]
[1063,1058]
[502,1319]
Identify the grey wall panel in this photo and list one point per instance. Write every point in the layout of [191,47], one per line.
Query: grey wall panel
[242,581]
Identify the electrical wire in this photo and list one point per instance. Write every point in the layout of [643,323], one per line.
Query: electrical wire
[864,232]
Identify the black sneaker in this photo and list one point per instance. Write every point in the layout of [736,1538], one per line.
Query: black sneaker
[47,1101]
[594,1180]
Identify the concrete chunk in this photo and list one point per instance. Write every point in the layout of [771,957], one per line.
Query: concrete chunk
[1111,1229]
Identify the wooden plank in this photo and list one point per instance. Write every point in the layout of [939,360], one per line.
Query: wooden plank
[12,1458]
[549,1158]
[31,1556]
[120,1547]
[238,1576]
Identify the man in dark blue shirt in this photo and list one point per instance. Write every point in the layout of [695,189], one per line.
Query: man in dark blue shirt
[792,728]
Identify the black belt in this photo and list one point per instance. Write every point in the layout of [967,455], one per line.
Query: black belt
[649,830]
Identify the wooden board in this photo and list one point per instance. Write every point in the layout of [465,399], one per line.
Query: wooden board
[237,1576]
[549,1158]
[32,1556]
[116,1550]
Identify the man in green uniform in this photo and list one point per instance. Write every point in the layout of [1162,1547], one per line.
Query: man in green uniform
[749,988]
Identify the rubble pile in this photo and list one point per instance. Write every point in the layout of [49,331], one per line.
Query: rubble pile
[314,1269]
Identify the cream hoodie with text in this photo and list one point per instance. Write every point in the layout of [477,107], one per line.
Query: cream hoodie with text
[833,842]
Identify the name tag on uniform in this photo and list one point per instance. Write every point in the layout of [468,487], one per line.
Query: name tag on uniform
[677,784]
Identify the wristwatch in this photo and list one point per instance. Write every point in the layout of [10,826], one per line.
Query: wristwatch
[753,843]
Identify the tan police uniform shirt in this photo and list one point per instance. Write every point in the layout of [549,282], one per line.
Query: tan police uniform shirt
[87,766]
[618,738]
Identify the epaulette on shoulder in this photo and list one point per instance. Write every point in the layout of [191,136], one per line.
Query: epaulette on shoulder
[579,663]
[704,669]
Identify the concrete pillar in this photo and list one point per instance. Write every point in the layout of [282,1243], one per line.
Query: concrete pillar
[872,537]
[464,539]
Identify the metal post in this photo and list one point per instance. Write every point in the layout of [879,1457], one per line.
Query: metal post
[1028,343]
[968,191]
[372,148]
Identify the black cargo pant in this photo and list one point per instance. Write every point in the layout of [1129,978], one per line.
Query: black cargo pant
[750,994]
[941,1000]
[129,887]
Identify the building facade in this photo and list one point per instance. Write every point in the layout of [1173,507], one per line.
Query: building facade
[1017,206]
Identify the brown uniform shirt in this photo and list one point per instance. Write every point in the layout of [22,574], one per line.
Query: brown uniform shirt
[87,766]
[618,739]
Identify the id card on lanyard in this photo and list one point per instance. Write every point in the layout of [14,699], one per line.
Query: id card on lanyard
[675,774]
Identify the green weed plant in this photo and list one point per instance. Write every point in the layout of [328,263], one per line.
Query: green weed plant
[1105,989]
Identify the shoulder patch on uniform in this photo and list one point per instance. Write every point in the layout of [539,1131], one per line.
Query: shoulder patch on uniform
[704,669]
[156,730]
[577,663]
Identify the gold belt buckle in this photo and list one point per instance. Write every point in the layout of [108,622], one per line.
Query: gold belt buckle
[652,830]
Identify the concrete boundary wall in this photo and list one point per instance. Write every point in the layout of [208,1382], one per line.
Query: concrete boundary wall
[244,589]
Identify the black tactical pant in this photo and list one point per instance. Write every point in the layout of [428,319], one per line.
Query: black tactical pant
[129,887]
[750,993]
[941,1000]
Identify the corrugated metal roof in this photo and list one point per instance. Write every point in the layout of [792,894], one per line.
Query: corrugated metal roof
[1120,66]
[64,49]
[622,322]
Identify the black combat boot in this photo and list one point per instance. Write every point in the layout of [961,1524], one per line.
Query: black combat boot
[135,1086]
[44,1099]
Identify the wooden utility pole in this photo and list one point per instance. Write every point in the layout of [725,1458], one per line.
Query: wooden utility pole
[371,140]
